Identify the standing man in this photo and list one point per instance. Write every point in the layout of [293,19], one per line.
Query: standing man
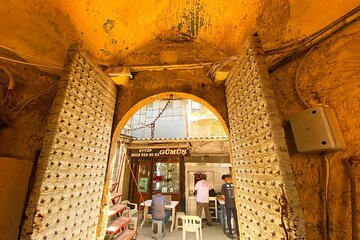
[202,199]
[228,193]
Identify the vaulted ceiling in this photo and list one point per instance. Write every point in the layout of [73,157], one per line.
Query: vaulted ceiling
[110,30]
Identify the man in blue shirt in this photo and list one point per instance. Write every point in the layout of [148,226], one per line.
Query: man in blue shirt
[227,192]
[158,208]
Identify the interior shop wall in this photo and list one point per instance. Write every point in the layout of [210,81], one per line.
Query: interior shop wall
[214,173]
[330,76]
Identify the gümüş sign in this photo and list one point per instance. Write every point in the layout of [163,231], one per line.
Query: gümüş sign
[149,152]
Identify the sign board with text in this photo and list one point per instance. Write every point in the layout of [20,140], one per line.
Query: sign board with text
[159,152]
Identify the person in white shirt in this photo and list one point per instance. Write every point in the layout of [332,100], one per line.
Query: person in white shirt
[202,198]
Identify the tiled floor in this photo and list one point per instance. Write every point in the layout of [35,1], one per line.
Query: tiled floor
[209,233]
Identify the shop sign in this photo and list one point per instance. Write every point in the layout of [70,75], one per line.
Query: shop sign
[149,152]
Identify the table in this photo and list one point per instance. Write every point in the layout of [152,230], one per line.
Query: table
[170,206]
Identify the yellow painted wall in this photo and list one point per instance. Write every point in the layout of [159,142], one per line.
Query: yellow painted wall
[329,76]
[111,30]
[307,17]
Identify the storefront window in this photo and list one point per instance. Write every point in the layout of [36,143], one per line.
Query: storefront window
[166,177]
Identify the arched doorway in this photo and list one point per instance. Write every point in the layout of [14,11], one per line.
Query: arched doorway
[165,95]
[114,156]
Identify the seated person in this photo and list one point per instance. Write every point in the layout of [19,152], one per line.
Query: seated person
[158,208]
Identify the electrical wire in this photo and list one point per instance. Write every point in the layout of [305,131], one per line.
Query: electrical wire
[327,207]
[6,96]
[11,79]
[27,55]
[352,162]
[4,108]
[219,65]
[294,48]
[22,105]
[30,64]
[152,124]
[297,77]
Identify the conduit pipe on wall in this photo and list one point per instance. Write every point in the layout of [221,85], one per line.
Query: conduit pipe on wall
[296,80]
[327,207]
[352,164]
[30,64]
[27,55]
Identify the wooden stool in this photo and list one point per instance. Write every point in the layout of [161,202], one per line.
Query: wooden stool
[178,216]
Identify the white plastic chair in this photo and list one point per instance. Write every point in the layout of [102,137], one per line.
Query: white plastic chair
[132,213]
[191,224]
[178,216]
[129,204]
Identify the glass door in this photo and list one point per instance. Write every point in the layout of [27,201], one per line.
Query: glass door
[143,177]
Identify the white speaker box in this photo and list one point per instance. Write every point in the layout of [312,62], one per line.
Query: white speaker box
[317,130]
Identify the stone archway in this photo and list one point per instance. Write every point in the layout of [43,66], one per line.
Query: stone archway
[166,95]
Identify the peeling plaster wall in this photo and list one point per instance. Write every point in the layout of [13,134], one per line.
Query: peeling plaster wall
[206,148]
[24,135]
[307,17]
[330,76]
